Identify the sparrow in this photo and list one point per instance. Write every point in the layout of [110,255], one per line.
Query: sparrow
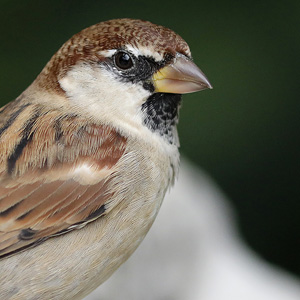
[87,153]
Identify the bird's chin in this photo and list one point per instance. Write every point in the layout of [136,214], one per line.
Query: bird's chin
[160,112]
[171,99]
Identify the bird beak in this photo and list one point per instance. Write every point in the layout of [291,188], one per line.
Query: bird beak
[181,77]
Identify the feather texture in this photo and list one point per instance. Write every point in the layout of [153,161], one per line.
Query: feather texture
[89,145]
[55,169]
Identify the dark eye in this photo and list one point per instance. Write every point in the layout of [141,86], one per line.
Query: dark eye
[123,60]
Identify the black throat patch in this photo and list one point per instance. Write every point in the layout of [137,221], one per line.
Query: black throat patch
[161,114]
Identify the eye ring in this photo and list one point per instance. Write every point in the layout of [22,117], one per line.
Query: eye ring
[123,60]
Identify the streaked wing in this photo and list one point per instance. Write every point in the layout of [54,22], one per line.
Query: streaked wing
[54,174]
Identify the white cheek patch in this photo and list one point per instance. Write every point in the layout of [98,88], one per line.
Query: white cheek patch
[98,93]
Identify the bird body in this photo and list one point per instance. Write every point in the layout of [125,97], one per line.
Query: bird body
[88,152]
[96,250]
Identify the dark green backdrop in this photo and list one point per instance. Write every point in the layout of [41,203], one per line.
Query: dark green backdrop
[244,133]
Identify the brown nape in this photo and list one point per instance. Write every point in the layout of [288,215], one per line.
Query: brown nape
[113,34]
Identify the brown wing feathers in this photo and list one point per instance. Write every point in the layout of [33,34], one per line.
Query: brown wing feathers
[41,194]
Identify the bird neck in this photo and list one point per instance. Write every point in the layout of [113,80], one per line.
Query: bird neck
[161,115]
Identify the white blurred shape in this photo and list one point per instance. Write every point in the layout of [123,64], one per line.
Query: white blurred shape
[193,252]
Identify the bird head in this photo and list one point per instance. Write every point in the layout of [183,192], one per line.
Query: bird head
[128,73]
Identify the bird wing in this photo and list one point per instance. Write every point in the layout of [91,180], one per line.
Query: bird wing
[55,172]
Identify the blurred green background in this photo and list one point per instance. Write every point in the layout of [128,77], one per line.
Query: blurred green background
[244,132]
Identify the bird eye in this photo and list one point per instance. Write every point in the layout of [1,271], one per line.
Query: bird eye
[123,60]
